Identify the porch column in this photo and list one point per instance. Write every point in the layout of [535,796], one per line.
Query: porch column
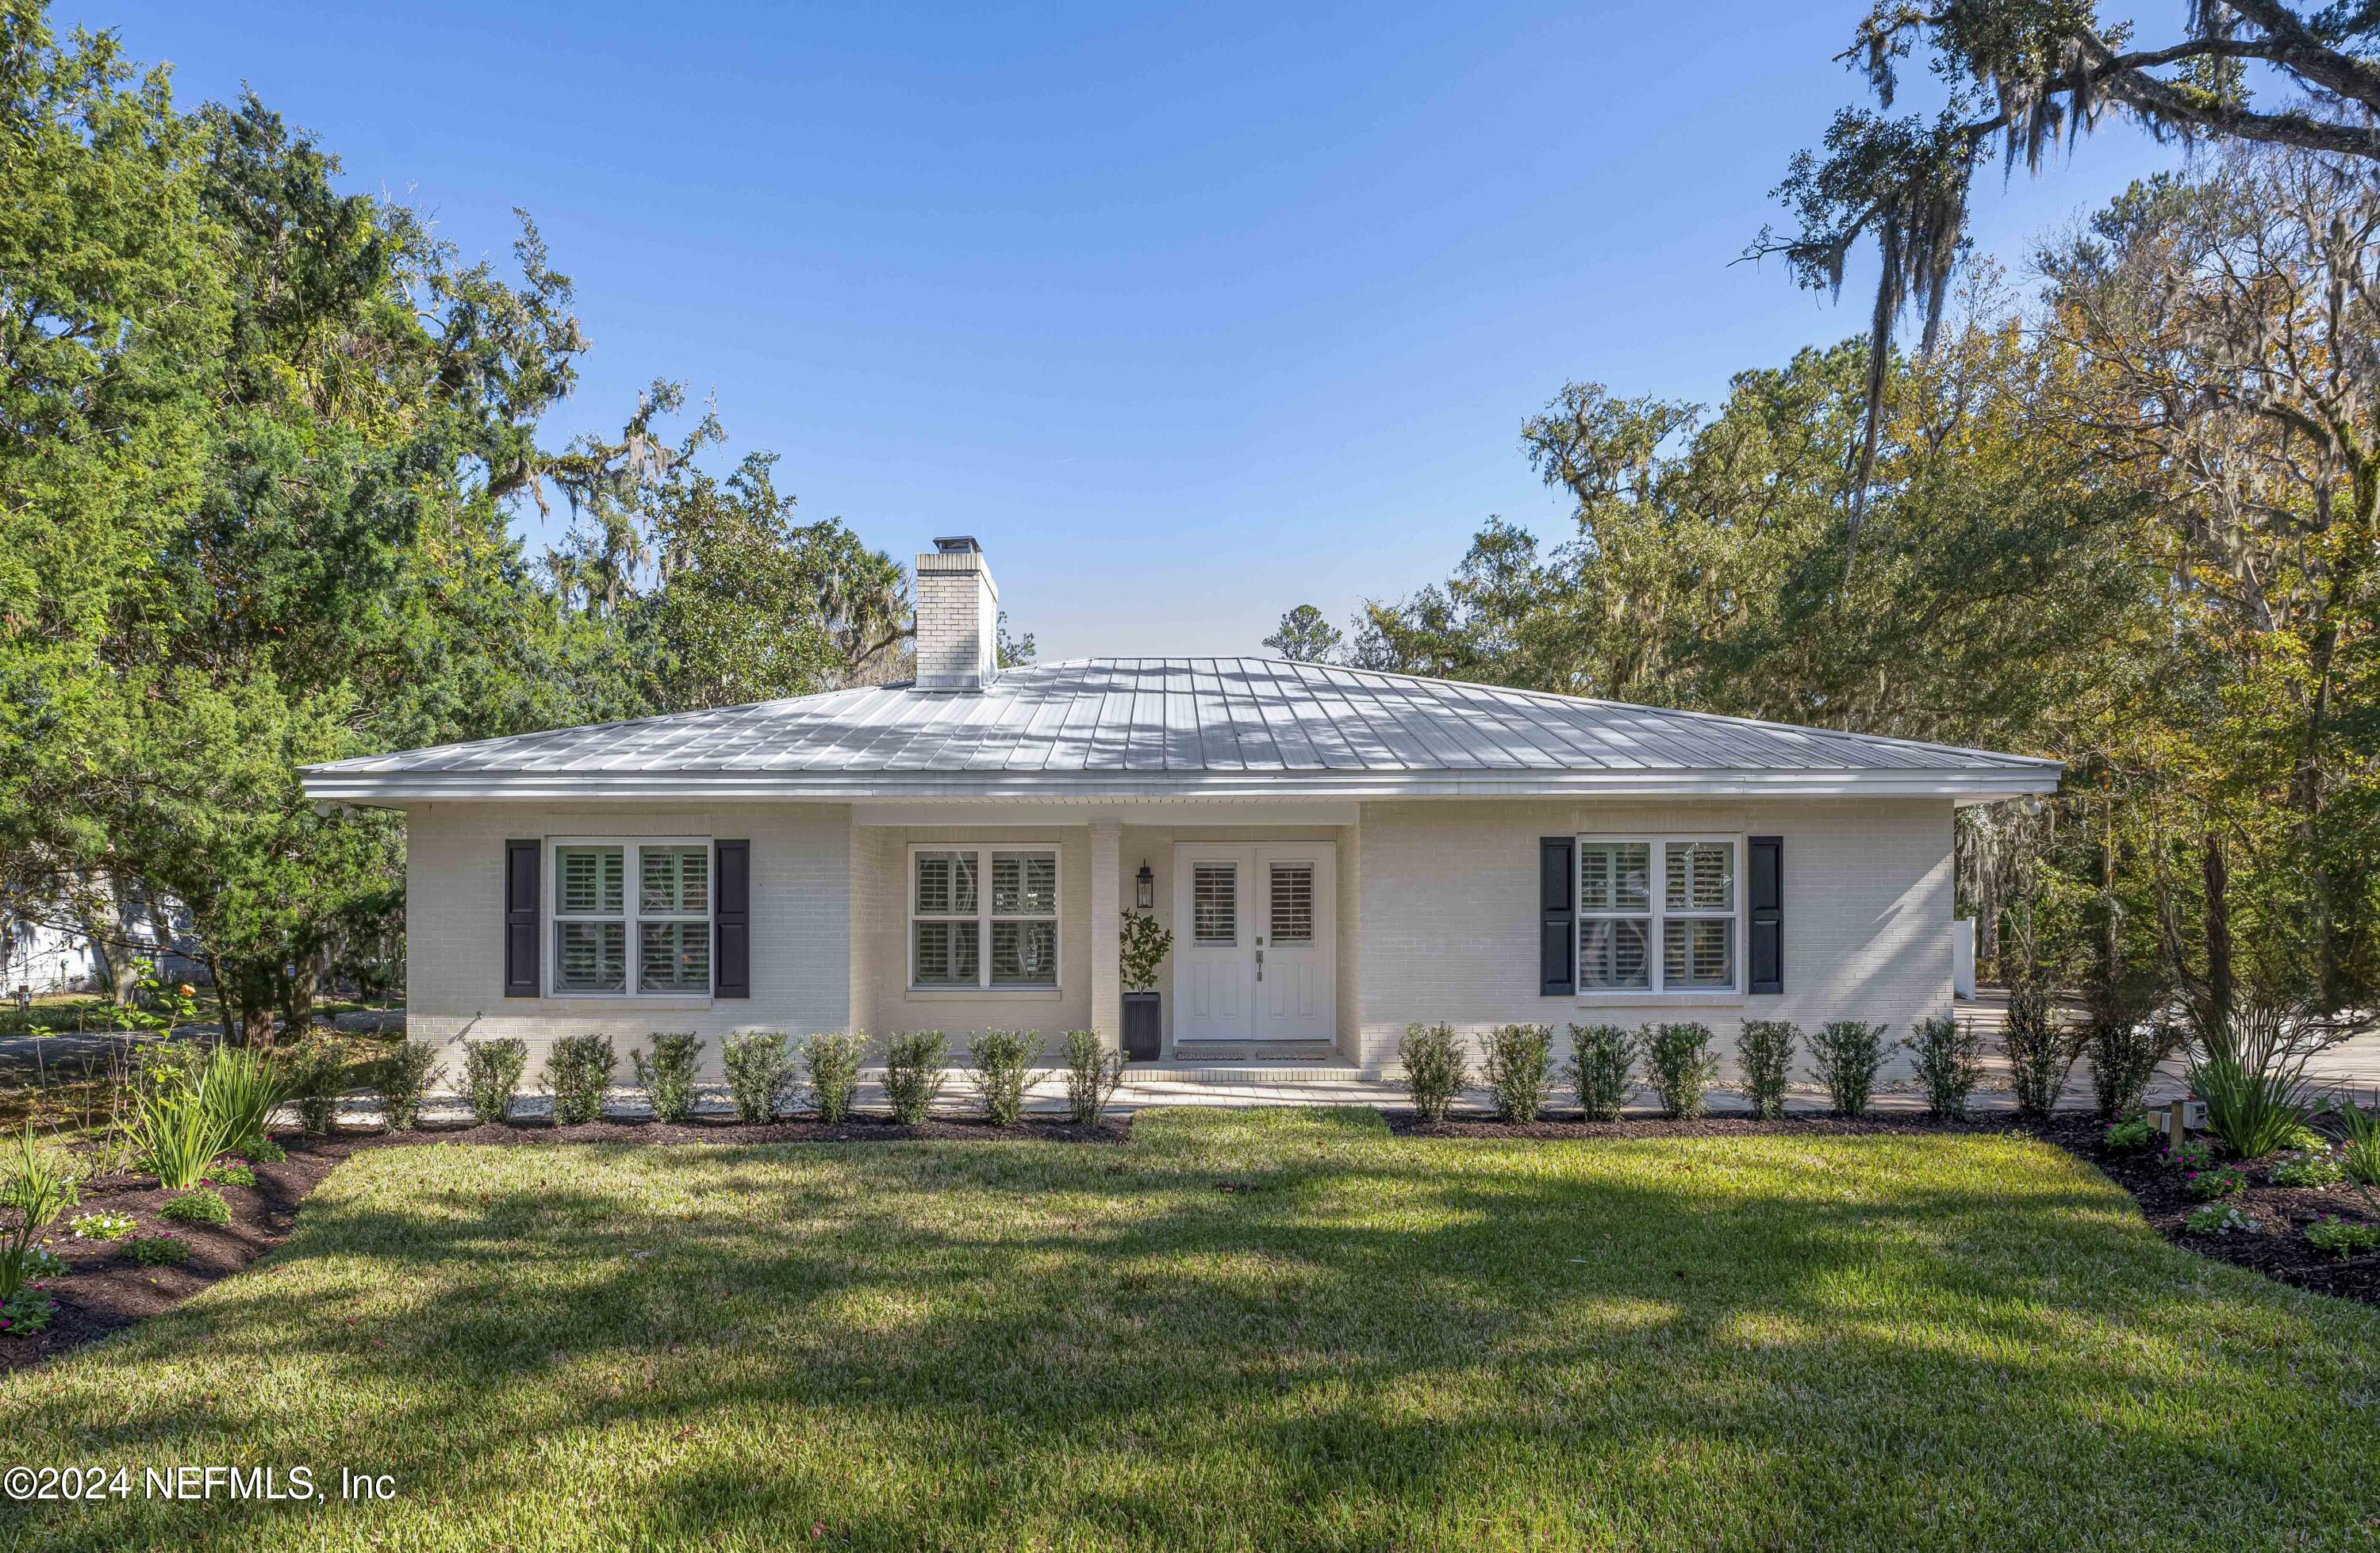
[1107,920]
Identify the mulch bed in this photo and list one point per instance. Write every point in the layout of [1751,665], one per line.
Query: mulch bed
[2277,1249]
[106,1290]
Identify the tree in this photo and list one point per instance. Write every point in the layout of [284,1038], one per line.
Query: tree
[1305,636]
[2225,326]
[263,443]
[1014,652]
[753,605]
[2021,74]
[1706,569]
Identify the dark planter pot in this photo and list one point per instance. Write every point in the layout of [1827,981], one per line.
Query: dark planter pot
[1143,1027]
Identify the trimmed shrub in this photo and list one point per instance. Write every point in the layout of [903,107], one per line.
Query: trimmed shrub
[1847,1055]
[915,1065]
[2124,1046]
[1680,1061]
[492,1075]
[834,1060]
[761,1073]
[1950,1063]
[1519,1061]
[2040,1050]
[1435,1069]
[667,1078]
[578,1071]
[403,1078]
[318,1082]
[157,1251]
[1093,1074]
[202,1205]
[1003,1061]
[1766,1052]
[1602,1060]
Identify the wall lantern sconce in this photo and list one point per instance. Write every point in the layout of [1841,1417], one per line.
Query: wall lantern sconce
[1144,887]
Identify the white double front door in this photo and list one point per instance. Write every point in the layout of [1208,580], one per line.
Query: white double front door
[1255,941]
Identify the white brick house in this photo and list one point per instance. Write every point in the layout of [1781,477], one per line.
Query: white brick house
[1336,852]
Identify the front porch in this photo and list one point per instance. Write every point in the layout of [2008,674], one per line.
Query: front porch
[1007,916]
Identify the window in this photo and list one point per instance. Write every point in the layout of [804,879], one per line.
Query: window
[668,921]
[961,934]
[1293,903]
[1680,936]
[1215,904]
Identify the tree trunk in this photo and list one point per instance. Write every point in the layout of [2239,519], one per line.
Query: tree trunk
[231,1032]
[2219,933]
[103,964]
[298,995]
[2111,951]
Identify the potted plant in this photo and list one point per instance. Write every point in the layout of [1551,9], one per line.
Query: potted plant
[1144,944]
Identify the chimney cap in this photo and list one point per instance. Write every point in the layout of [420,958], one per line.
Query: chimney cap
[958,544]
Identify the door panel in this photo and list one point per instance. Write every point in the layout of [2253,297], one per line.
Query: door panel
[1255,942]
[1297,977]
[1214,946]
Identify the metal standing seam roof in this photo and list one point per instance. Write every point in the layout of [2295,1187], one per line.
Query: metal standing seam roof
[1117,726]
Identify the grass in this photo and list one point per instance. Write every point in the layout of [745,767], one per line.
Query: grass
[1366,1342]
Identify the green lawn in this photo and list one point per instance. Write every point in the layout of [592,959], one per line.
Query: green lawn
[1760,1343]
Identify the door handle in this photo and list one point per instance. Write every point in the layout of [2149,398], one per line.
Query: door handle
[1259,964]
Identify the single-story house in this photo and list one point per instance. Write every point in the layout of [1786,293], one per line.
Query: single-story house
[1336,853]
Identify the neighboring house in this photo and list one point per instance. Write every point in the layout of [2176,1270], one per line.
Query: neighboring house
[40,953]
[1336,853]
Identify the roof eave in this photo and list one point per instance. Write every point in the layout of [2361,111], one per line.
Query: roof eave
[1971,784]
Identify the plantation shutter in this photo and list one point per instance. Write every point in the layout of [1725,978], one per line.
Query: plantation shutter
[522,865]
[1557,936]
[1765,896]
[731,956]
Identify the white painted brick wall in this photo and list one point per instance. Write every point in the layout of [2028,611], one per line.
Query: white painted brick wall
[885,1001]
[454,914]
[1449,912]
[957,620]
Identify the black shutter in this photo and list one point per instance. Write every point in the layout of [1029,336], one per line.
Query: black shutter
[1556,939]
[521,869]
[731,932]
[1766,898]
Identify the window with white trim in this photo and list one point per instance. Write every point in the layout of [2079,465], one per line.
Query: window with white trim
[963,934]
[1658,914]
[658,934]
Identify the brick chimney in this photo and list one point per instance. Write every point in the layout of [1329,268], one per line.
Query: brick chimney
[958,618]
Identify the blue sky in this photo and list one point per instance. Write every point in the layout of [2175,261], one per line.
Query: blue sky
[1263,292]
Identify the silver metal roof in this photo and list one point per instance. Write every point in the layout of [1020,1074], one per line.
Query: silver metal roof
[1121,727]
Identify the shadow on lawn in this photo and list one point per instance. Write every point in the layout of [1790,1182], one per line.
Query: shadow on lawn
[1287,1329]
